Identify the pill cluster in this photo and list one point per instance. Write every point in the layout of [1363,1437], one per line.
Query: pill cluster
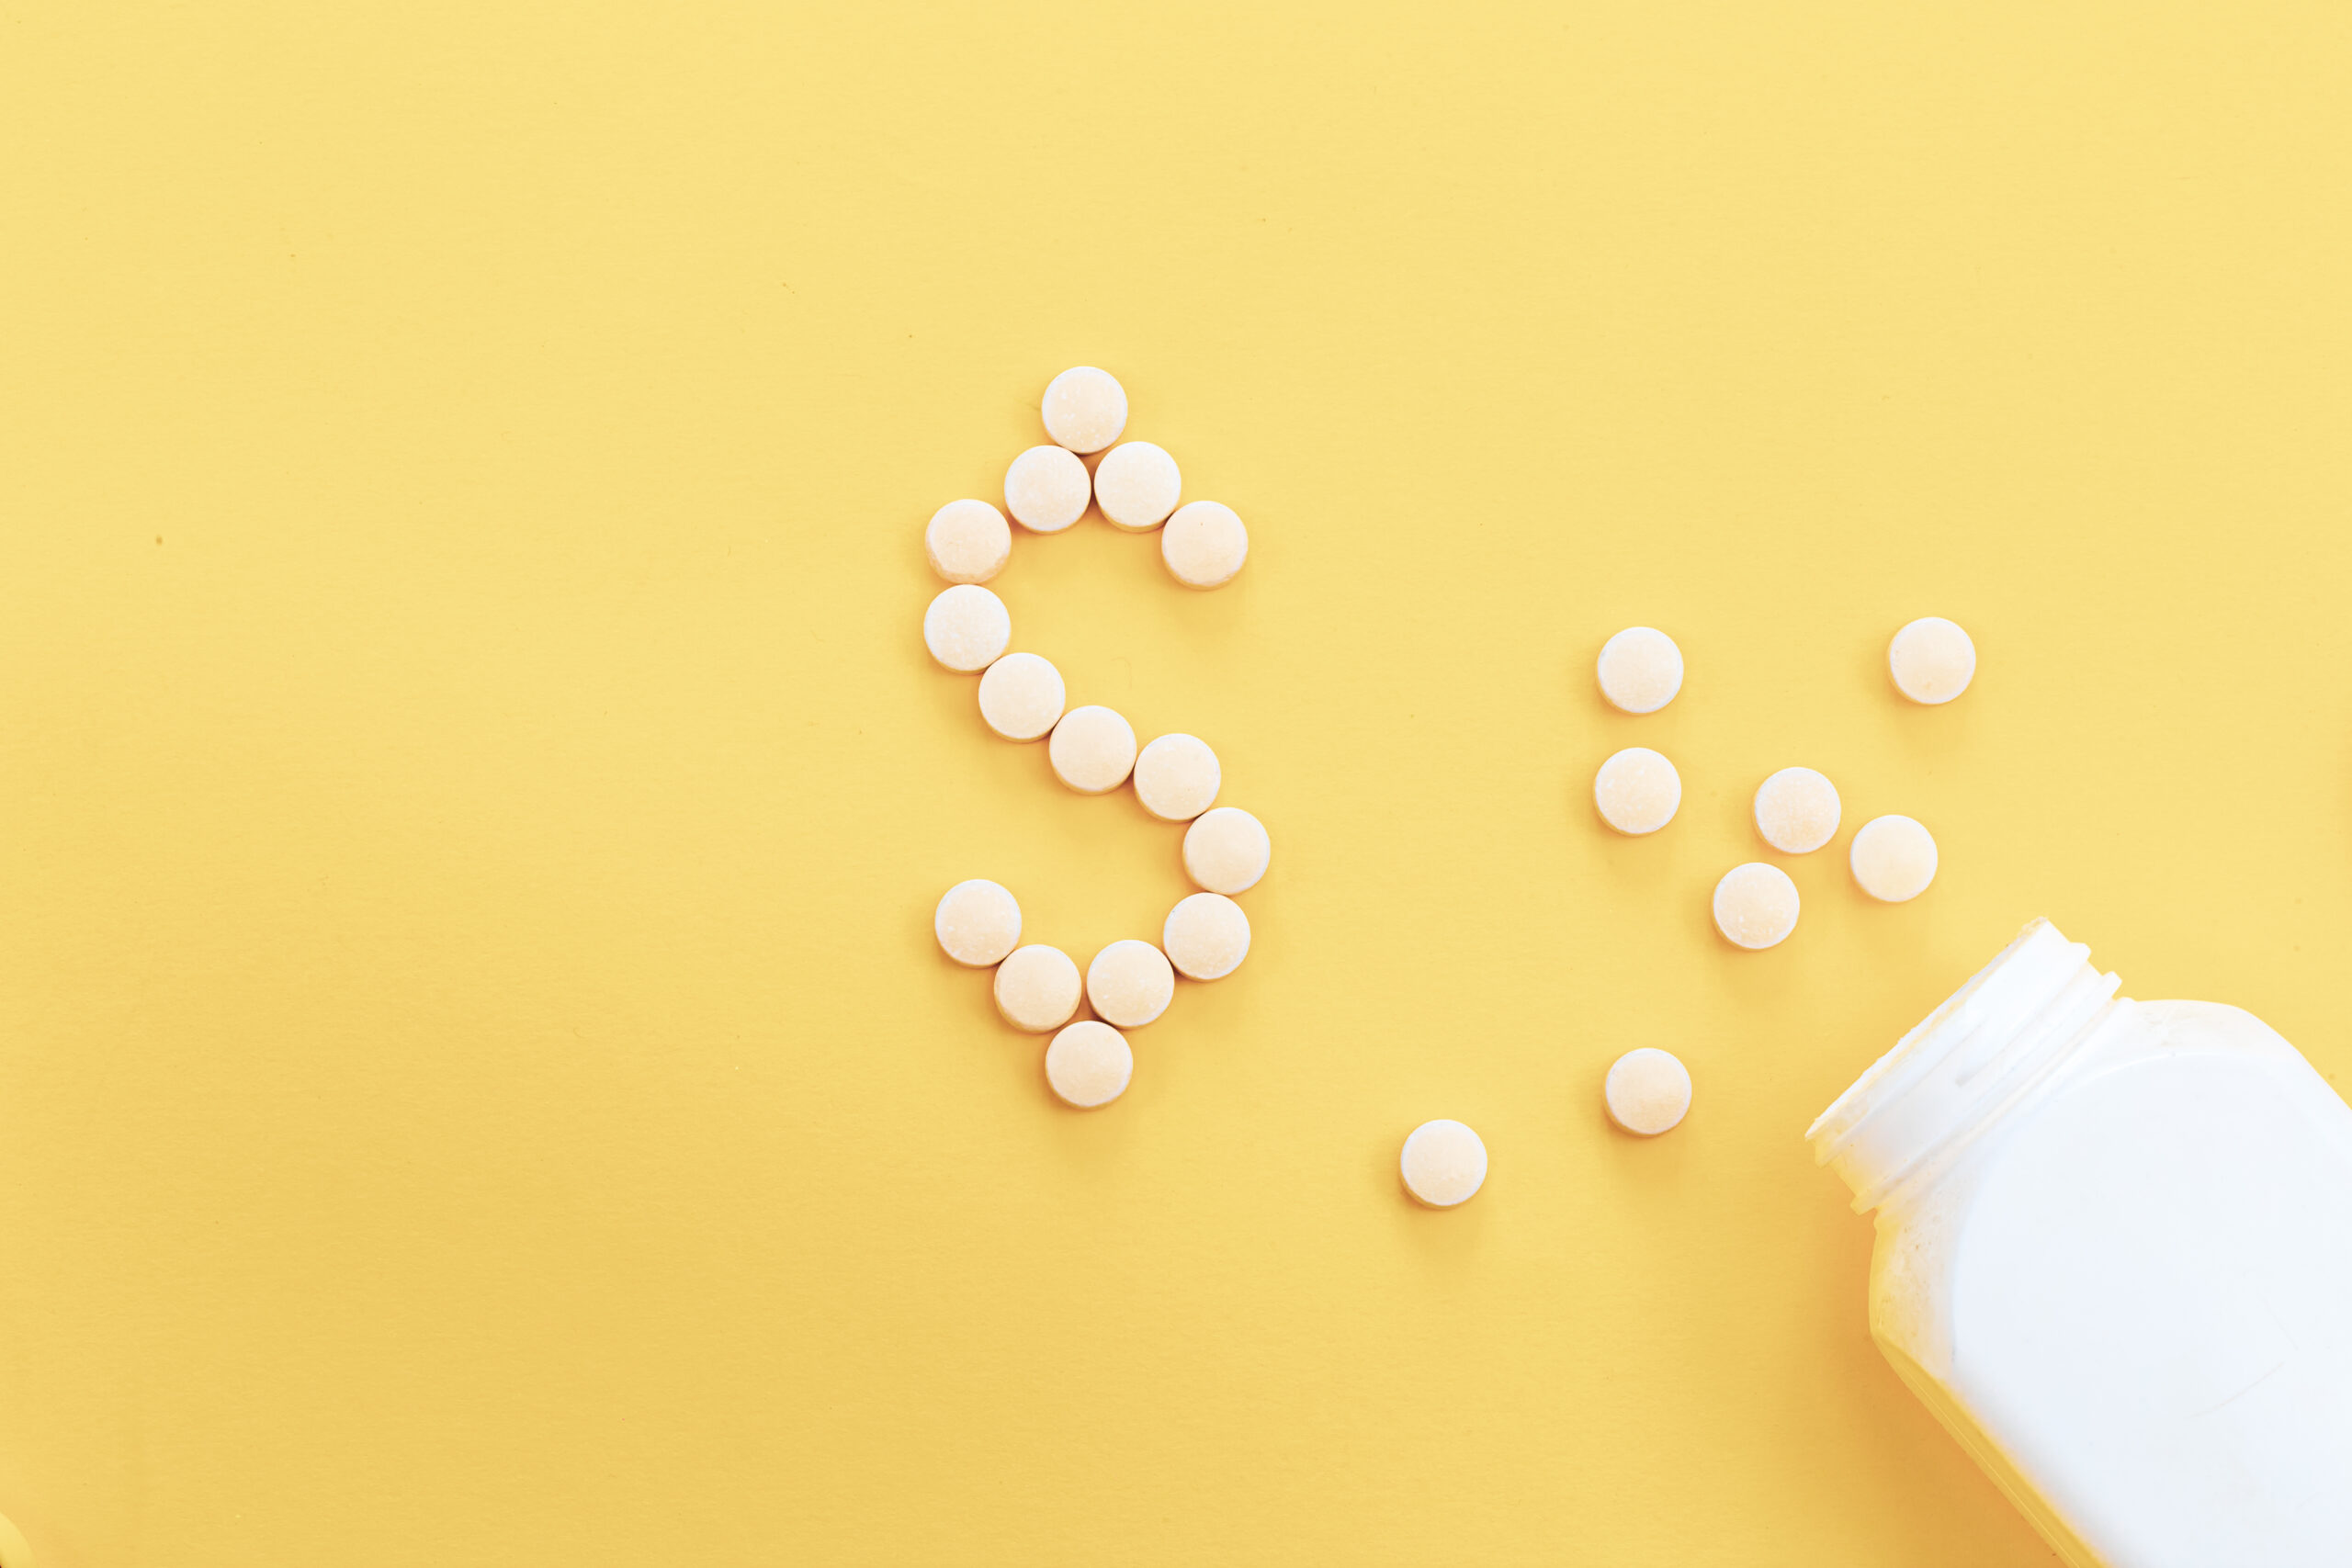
[1796,810]
[1136,487]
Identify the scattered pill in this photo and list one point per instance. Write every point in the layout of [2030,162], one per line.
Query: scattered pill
[1177,777]
[1130,983]
[1020,696]
[1648,1091]
[968,541]
[1136,484]
[1046,488]
[1037,987]
[977,922]
[1226,850]
[967,627]
[1640,670]
[1085,409]
[1089,1063]
[1931,660]
[1755,905]
[1204,543]
[1637,791]
[1443,1164]
[1206,936]
[1094,750]
[1894,858]
[1796,810]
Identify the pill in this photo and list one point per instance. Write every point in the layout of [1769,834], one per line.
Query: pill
[1130,983]
[1045,489]
[1931,660]
[1796,810]
[1093,751]
[1894,858]
[968,541]
[1136,484]
[1177,777]
[1647,1090]
[1640,670]
[1089,1063]
[967,627]
[1226,850]
[1637,791]
[1037,987]
[1020,696]
[977,922]
[1206,936]
[1755,905]
[1203,544]
[1085,409]
[1443,1164]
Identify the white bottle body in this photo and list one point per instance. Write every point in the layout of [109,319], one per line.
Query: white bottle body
[2115,1256]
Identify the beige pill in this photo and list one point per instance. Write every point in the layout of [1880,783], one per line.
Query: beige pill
[1089,1063]
[1640,670]
[1130,983]
[1020,696]
[1136,484]
[1206,936]
[1637,791]
[1204,543]
[1177,777]
[1037,988]
[1085,409]
[968,541]
[1796,810]
[1226,850]
[1093,751]
[1046,488]
[1894,858]
[1443,1164]
[1931,660]
[967,627]
[1648,1091]
[977,922]
[1755,905]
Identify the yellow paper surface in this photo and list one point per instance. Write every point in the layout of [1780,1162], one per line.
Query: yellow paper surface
[477,1085]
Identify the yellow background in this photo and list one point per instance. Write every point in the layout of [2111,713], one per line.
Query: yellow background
[477,1086]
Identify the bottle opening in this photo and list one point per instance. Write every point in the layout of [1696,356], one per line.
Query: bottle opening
[1968,1061]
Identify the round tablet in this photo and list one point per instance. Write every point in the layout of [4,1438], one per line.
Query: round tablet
[1045,489]
[977,922]
[1206,936]
[1020,696]
[1176,777]
[1094,750]
[1037,988]
[1136,484]
[1637,791]
[1085,409]
[1130,983]
[1755,905]
[967,627]
[1894,858]
[1226,850]
[1796,810]
[968,541]
[1089,1063]
[1648,1091]
[1931,660]
[1640,670]
[1443,1164]
[1204,543]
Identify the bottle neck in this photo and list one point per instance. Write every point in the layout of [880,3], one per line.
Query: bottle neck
[1970,1061]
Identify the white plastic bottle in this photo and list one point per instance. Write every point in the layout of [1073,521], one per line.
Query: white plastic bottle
[2115,1258]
